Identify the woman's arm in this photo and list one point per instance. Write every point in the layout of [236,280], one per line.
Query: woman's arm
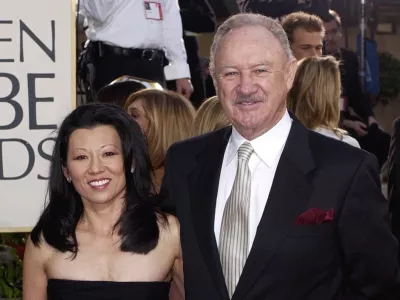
[177,287]
[34,275]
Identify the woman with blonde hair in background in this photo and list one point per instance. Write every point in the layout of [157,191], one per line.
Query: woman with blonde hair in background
[315,97]
[209,117]
[165,117]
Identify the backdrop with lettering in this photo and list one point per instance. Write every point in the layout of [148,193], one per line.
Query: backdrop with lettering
[37,90]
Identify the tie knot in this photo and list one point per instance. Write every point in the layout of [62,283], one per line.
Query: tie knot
[245,151]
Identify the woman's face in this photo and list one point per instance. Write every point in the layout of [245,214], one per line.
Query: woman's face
[95,165]
[136,110]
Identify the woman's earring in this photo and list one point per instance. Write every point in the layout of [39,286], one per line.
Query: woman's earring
[132,169]
[69,179]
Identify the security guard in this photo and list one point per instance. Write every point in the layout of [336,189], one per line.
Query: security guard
[136,38]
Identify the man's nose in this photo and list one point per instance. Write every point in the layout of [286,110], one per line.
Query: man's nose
[314,52]
[329,37]
[247,85]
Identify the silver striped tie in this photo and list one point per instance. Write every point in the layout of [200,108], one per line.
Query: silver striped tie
[233,246]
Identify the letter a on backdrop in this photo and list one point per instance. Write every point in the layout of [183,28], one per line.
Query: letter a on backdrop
[37,90]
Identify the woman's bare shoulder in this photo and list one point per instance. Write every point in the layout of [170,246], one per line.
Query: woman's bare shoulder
[40,252]
[170,229]
[173,224]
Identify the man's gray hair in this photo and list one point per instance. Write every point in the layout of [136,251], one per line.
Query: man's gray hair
[249,19]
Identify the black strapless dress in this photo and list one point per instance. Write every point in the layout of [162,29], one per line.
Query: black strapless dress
[60,289]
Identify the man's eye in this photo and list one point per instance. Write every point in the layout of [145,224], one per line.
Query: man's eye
[230,74]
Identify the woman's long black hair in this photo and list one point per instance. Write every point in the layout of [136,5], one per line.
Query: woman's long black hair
[138,224]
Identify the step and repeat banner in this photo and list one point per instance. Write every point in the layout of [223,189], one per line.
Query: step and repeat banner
[37,90]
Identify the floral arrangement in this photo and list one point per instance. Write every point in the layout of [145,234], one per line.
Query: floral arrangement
[389,77]
[12,248]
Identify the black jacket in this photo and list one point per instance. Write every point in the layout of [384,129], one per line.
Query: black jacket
[351,87]
[353,257]
[394,178]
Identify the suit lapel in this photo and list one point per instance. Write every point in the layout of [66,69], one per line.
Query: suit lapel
[203,184]
[290,190]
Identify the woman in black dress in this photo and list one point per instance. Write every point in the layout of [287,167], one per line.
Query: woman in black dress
[101,235]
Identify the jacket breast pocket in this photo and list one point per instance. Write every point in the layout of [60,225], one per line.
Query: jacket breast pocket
[323,230]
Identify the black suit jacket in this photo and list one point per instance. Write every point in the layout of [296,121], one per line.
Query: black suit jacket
[351,86]
[197,16]
[394,178]
[352,257]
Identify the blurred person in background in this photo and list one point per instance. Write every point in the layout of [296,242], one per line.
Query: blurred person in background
[121,88]
[197,17]
[273,9]
[209,117]
[165,118]
[279,8]
[210,88]
[358,116]
[117,93]
[134,37]
[305,33]
[315,97]
[394,179]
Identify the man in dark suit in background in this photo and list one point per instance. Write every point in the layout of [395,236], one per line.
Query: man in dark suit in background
[197,17]
[394,179]
[362,125]
[267,208]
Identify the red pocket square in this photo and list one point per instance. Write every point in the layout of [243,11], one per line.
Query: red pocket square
[315,216]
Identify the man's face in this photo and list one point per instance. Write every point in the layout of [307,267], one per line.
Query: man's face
[333,37]
[252,77]
[306,43]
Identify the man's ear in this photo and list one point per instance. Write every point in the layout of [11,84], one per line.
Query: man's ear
[214,79]
[290,73]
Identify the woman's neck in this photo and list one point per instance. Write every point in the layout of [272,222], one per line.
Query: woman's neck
[101,218]
[158,177]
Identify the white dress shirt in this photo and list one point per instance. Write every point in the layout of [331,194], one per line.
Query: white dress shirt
[123,23]
[262,164]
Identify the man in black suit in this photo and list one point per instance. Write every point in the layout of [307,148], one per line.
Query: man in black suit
[197,17]
[362,125]
[267,208]
[394,179]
